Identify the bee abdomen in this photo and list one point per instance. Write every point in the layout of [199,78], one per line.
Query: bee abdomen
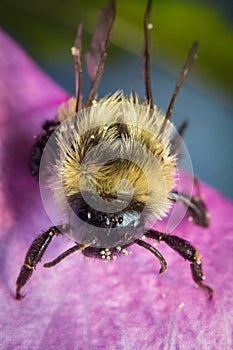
[40,142]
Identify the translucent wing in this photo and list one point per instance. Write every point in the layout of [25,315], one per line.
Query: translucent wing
[96,55]
[76,52]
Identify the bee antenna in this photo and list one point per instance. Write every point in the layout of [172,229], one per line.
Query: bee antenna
[192,55]
[147,28]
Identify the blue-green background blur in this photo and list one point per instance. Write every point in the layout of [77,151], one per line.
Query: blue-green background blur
[46,29]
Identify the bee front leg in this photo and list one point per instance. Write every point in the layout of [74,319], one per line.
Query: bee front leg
[188,252]
[33,256]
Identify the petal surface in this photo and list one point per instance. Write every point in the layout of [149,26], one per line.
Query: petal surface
[82,304]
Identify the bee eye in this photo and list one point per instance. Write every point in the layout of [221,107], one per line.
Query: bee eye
[120,220]
[84,215]
[128,218]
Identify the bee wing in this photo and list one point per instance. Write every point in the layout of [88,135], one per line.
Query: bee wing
[76,52]
[96,55]
[176,142]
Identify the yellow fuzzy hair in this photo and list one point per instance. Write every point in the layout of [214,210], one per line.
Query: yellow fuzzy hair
[129,133]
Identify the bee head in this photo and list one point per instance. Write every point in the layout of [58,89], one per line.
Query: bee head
[108,222]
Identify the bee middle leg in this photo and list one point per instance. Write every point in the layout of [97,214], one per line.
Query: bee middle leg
[75,248]
[196,208]
[155,252]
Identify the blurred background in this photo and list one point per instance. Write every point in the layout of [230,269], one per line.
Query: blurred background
[46,30]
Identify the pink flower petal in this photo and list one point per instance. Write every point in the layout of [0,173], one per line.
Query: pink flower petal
[88,305]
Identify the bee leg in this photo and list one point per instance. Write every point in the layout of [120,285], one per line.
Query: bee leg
[33,256]
[192,55]
[187,251]
[147,78]
[155,252]
[196,208]
[77,247]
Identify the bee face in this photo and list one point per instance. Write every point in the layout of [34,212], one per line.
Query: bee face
[106,229]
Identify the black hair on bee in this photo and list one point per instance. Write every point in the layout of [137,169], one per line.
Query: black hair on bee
[114,165]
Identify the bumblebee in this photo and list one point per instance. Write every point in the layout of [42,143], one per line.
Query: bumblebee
[111,166]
